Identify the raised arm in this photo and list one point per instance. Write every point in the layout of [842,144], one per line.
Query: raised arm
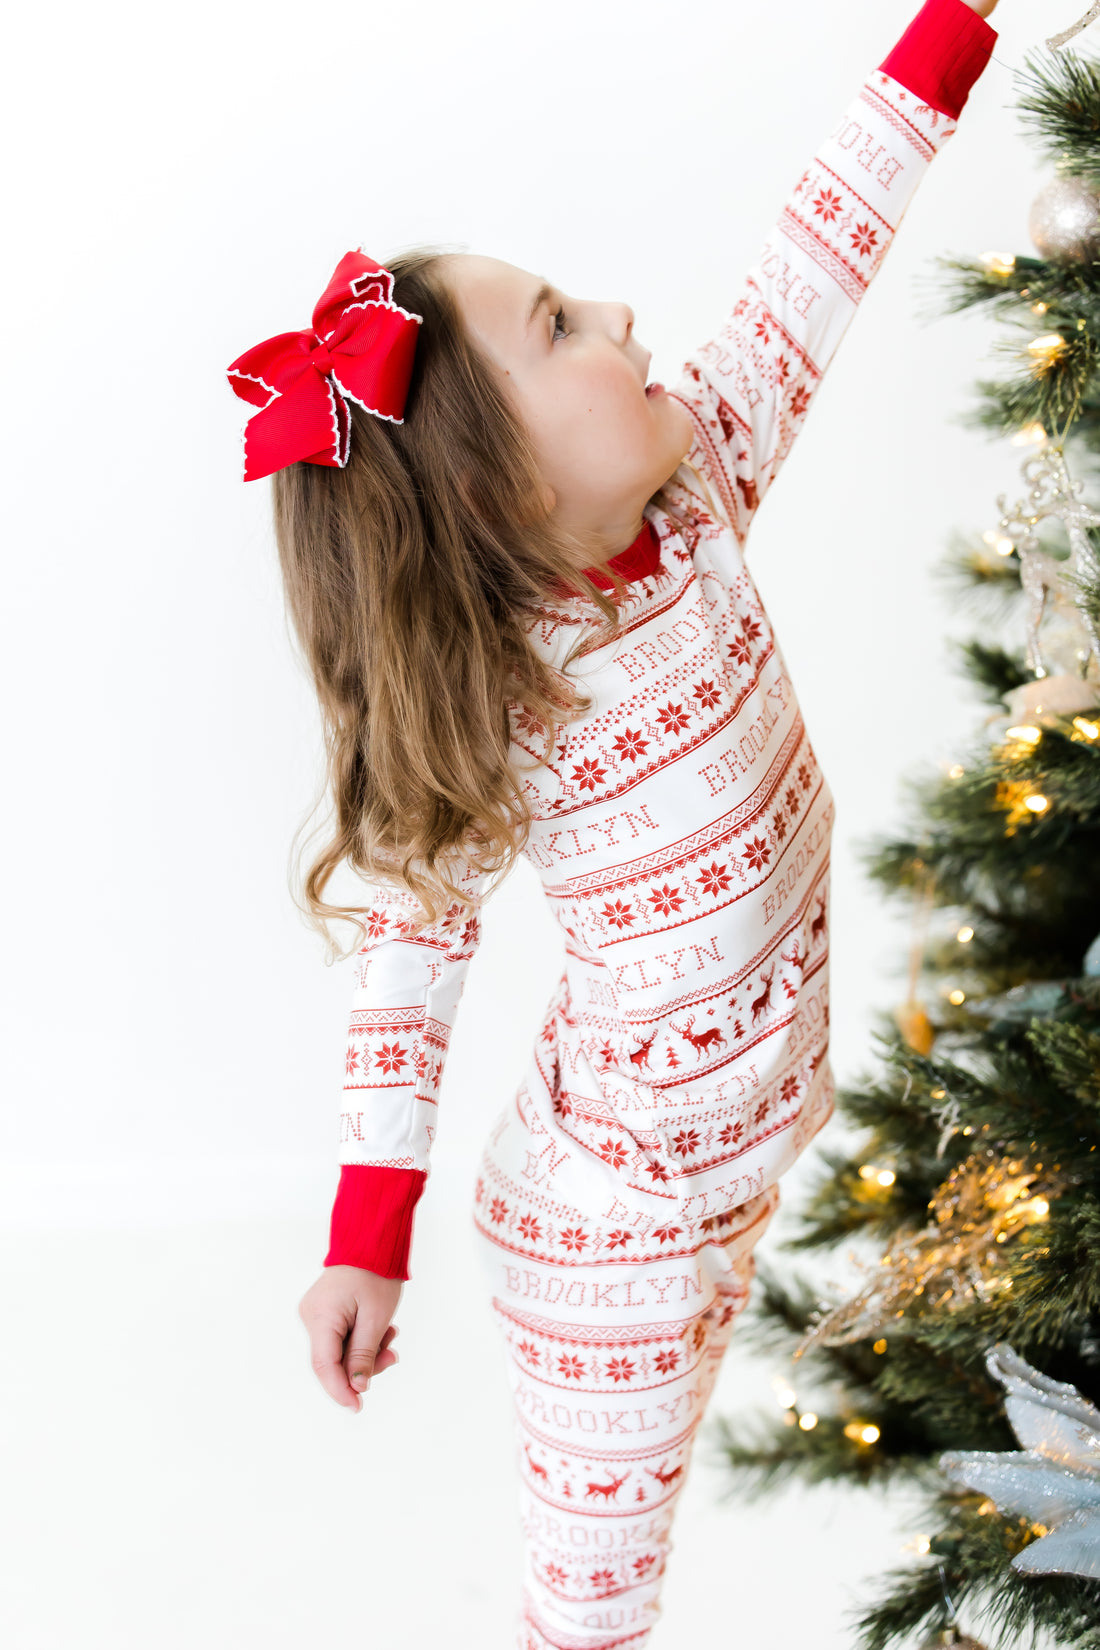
[749,388]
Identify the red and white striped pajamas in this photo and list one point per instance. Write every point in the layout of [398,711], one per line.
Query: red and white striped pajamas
[682,833]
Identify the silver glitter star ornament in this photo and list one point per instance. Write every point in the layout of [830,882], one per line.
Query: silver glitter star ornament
[1052,492]
[1054,1480]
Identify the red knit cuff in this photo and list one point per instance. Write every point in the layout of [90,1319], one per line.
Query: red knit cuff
[372,1218]
[941,54]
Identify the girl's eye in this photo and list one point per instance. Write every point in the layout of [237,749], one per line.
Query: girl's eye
[559,322]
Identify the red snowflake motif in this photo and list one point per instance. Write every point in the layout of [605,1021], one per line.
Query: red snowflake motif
[672,718]
[739,651]
[666,1234]
[752,629]
[620,1369]
[800,400]
[792,799]
[351,1061]
[657,1170]
[619,1239]
[556,1576]
[804,776]
[645,1563]
[789,1088]
[666,1362]
[589,774]
[731,1134]
[570,1367]
[757,853]
[827,205]
[707,694]
[781,371]
[420,1061]
[614,1152]
[529,1228]
[376,922]
[631,745]
[528,722]
[563,1106]
[714,878]
[391,1058]
[666,899]
[528,1350]
[687,1142]
[605,1054]
[864,239]
[498,1209]
[603,1579]
[761,330]
[573,1238]
[761,1112]
[780,825]
[621,915]
[479,1189]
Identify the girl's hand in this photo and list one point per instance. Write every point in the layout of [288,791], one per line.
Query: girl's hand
[352,1306]
[982,7]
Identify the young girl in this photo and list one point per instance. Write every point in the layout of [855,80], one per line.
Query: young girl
[517,572]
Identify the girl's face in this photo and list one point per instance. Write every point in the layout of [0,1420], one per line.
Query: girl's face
[577,377]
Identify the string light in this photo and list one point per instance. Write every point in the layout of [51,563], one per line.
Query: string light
[1030,434]
[1025,735]
[1046,350]
[886,1177]
[939,1094]
[879,1346]
[999,263]
[964,935]
[1089,730]
[808,1421]
[862,1432]
[880,1177]
[957,997]
[1036,804]
[956,772]
[784,1393]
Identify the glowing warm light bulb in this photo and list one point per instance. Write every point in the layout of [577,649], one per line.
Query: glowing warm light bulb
[1031,434]
[956,772]
[1047,343]
[1026,735]
[964,934]
[808,1421]
[870,1435]
[1039,308]
[879,1346]
[1090,729]
[886,1177]
[1036,803]
[999,263]
[956,997]
[867,1171]
[938,1094]
[1041,1207]
[784,1394]
[1005,547]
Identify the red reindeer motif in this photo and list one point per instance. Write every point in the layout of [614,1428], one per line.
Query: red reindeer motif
[796,959]
[608,1491]
[640,1056]
[760,1005]
[699,1040]
[537,1468]
[665,1478]
[817,927]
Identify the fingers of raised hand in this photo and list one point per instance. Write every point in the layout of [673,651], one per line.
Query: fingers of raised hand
[366,1355]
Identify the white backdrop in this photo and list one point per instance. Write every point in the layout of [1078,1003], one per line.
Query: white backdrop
[181,183]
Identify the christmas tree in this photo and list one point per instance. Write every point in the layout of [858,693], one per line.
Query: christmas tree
[966,1358]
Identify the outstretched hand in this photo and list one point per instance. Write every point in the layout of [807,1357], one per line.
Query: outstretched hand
[347,1313]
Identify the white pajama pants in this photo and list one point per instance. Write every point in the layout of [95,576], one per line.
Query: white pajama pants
[614,1342]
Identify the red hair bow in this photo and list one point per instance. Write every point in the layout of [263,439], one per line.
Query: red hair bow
[360,349]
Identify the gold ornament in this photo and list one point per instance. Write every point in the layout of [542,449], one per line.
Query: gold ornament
[958,1257]
[1064,221]
[910,1017]
[916,1028]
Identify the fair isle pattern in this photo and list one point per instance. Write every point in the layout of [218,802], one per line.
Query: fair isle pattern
[611,1370]
[681,830]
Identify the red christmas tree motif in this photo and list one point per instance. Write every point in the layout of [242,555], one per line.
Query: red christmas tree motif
[667,1234]
[528,1350]
[620,1369]
[479,1189]
[864,239]
[351,1062]
[666,899]
[827,205]
[392,1058]
[589,774]
[673,718]
[739,651]
[614,1152]
[573,1237]
[666,1361]
[619,1239]
[707,694]
[757,852]
[376,923]
[570,1366]
[567,1488]
[687,1142]
[715,879]
[530,1228]
[621,915]
[497,1210]
[639,1493]
[631,745]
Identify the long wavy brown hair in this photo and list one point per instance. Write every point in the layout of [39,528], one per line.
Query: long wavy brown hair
[410,577]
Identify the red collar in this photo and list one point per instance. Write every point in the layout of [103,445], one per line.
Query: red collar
[638,561]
